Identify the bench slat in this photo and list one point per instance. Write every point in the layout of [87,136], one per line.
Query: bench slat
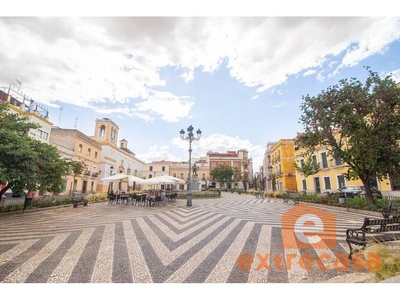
[373,231]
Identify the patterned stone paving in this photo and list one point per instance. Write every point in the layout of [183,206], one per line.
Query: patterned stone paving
[172,243]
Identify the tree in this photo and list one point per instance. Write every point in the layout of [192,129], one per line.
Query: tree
[222,173]
[245,180]
[74,167]
[359,123]
[26,163]
[308,168]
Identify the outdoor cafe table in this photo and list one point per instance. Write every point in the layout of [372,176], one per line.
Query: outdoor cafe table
[123,197]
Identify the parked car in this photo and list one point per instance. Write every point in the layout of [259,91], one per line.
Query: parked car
[350,190]
[375,192]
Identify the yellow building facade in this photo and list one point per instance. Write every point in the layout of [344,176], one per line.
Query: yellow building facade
[332,174]
[281,168]
[84,149]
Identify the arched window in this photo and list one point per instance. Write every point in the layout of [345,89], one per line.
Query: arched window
[102,131]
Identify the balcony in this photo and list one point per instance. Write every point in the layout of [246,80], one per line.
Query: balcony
[95,174]
[86,172]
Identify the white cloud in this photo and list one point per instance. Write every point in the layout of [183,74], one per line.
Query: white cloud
[92,61]
[221,143]
[309,72]
[284,103]
[171,108]
[157,153]
[396,75]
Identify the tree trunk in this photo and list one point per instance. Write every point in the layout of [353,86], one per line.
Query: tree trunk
[368,192]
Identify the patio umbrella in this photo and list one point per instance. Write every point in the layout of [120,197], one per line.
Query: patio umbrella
[136,179]
[116,177]
[174,179]
[121,177]
[159,180]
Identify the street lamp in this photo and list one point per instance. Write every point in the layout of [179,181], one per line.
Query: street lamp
[190,137]
[109,185]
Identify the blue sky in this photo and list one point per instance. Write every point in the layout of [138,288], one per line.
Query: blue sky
[239,79]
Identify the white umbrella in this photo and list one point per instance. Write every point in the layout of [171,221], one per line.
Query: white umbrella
[174,179]
[159,180]
[122,176]
[136,179]
[116,177]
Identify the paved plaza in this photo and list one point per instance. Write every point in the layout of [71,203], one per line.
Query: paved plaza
[236,238]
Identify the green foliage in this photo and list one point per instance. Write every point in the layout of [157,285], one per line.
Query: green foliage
[203,195]
[357,202]
[222,173]
[26,163]
[308,168]
[359,123]
[99,197]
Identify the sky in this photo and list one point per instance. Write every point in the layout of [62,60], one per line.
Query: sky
[237,76]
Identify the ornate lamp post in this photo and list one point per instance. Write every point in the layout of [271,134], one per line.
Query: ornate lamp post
[190,137]
[109,185]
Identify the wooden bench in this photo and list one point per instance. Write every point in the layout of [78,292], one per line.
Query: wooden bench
[77,200]
[392,209]
[291,196]
[372,231]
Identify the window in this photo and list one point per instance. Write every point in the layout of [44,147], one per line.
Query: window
[40,133]
[338,161]
[181,176]
[102,131]
[45,135]
[150,176]
[95,154]
[80,148]
[173,174]
[341,181]
[304,184]
[324,160]
[314,158]
[213,165]
[162,168]
[88,151]
[151,168]
[327,182]
[203,176]
[301,163]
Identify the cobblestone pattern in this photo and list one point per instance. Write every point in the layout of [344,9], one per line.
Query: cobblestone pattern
[171,243]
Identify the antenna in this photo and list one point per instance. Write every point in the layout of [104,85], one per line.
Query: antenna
[76,121]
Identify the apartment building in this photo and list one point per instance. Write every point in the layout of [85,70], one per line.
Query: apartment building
[72,143]
[238,160]
[332,175]
[267,169]
[281,169]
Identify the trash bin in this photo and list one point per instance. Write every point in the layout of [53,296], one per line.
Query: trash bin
[342,199]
